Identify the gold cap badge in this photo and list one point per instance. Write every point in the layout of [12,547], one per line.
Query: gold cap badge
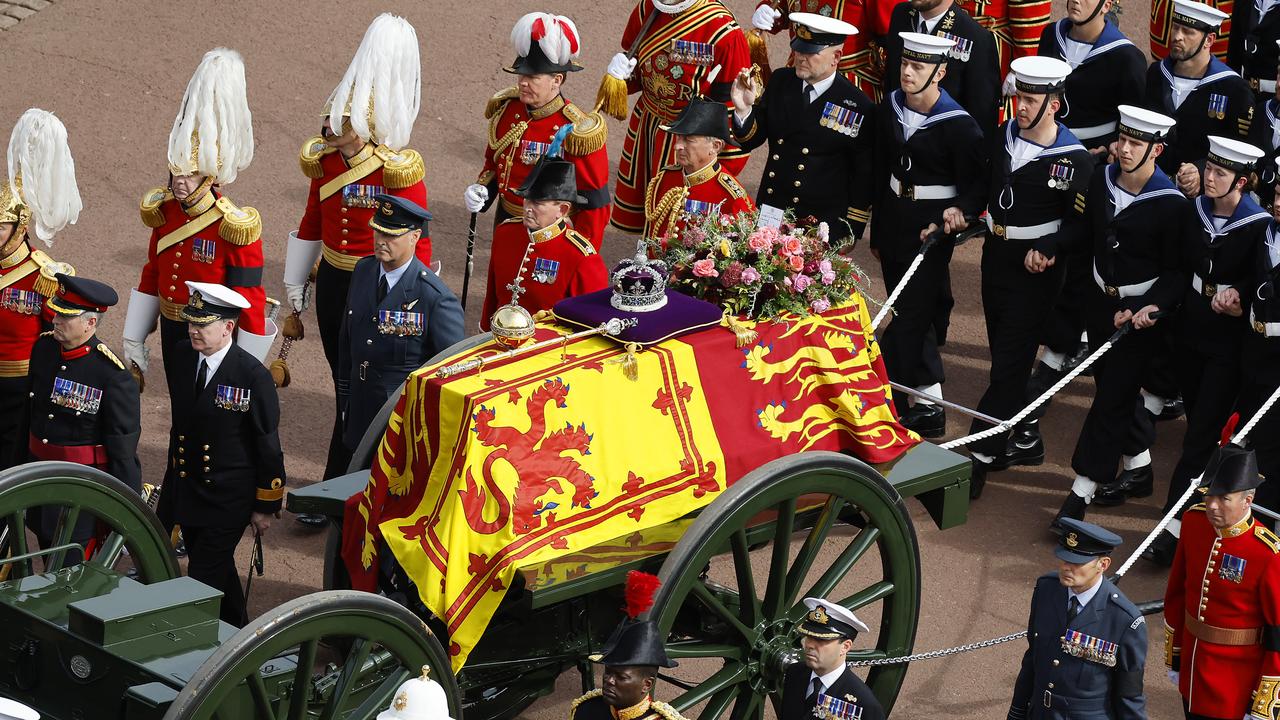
[818,615]
[1072,540]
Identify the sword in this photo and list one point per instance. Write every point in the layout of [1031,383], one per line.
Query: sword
[960,237]
[471,249]
[255,564]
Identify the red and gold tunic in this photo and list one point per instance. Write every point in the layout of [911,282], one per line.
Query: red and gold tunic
[674,198]
[1222,602]
[1161,10]
[862,60]
[212,241]
[340,202]
[25,285]
[519,136]
[673,63]
[562,263]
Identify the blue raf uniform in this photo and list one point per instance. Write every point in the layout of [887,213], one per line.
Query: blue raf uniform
[1085,654]
[383,339]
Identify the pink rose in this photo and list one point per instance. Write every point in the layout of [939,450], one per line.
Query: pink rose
[820,305]
[791,245]
[749,275]
[797,263]
[705,268]
[826,274]
[801,282]
[763,239]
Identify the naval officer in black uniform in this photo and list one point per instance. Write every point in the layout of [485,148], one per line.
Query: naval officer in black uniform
[821,685]
[226,469]
[399,314]
[819,129]
[1138,223]
[84,404]
[1039,176]
[1252,49]
[931,167]
[1086,643]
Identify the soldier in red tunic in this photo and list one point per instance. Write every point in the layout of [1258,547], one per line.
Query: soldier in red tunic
[197,233]
[698,183]
[525,118]
[27,274]
[1222,605]
[693,49]
[358,155]
[540,251]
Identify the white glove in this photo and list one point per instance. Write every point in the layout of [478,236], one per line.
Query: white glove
[137,352]
[1010,87]
[621,66]
[297,296]
[765,17]
[475,197]
[1173,677]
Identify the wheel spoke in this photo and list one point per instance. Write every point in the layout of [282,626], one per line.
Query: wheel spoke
[866,596]
[713,603]
[302,679]
[752,709]
[718,703]
[746,578]
[108,553]
[844,562]
[869,654]
[65,529]
[776,589]
[812,546]
[18,542]
[723,678]
[381,697]
[258,689]
[347,680]
[696,649]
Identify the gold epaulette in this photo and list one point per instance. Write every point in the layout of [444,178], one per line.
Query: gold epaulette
[152,215]
[403,169]
[309,159]
[499,101]
[589,134]
[1198,507]
[102,348]
[731,184]
[47,283]
[240,226]
[1263,533]
[666,710]
[580,241]
[592,694]
[512,220]
[47,333]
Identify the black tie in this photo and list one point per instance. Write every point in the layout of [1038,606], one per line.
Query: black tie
[813,691]
[1073,608]
[382,288]
[808,92]
[202,377]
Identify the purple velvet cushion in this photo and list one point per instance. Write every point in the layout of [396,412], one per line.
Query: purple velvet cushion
[682,314]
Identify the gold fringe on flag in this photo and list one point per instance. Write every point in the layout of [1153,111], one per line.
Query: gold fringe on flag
[744,334]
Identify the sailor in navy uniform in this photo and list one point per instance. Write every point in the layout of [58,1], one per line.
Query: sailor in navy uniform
[931,165]
[1039,176]
[1138,223]
[84,403]
[1251,49]
[1264,132]
[399,315]
[819,128]
[822,685]
[226,468]
[973,65]
[1086,643]
[1199,91]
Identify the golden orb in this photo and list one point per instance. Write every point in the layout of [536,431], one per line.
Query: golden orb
[512,326]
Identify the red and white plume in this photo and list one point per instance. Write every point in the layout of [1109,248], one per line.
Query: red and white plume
[42,173]
[555,34]
[641,587]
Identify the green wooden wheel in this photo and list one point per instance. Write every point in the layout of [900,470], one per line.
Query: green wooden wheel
[337,655]
[77,491]
[812,524]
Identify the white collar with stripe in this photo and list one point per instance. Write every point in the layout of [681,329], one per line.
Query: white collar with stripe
[944,109]
[1110,39]
[1063,144]
[1216,71]
[1246,212]
[1158,185]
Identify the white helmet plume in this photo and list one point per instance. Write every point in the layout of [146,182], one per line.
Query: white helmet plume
[382,89]
[43,174]
[213,133]
[556,35]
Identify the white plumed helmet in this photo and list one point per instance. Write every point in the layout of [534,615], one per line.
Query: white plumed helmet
[382,89]
[213,133]
[42,174]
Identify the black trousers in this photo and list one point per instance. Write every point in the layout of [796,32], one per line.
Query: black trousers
[910,343]
[332,285]
[171,332]
[1116,422]
[1209,382]
[1016,305]
[211,559]
[15,409]
[1061,330]
[1264,439]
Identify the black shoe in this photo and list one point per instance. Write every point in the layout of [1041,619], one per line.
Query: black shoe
[1075,358]
[313,520]
[1136,483]
[1161,550]
[1073,507]
[1172,410]
[929,421]
[1025,446]
[978,480]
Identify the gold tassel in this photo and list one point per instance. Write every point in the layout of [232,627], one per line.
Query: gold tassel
[744,334]
[759,54]
[404,169]
[612,97]
[280,373]
[544,316]
[629,362]
[240,226]
[138,377]
[292,328]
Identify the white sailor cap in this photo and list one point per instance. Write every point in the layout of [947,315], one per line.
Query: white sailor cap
[925,48]
[816,32]
[1233,154]
[827,620]
[1198,15]
[1142,124]
[14,710]
[1039,74]
[209,302]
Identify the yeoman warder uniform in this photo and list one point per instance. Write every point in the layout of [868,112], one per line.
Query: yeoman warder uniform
[838,695]
[225,461]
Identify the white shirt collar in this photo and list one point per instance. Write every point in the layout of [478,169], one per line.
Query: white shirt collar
[931,23]
[827,680]
[213,361]
[1086,596]
[821,86]
[393,276]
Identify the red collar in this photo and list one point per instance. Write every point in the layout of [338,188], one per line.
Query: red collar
[77,353]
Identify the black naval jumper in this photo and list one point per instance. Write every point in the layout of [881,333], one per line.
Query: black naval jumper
[1136,261]
[819,152]
[1037,206]
[1112,74]
[1220,104]
[945,156]
[1207,345]
[1264,134]
[1251,49]
[973,67]
[1260,360]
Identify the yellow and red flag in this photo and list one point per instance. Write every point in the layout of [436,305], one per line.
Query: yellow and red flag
[525,464]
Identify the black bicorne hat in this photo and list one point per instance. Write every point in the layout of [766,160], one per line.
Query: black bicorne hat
[552,179]
[1231,469]
[702,117]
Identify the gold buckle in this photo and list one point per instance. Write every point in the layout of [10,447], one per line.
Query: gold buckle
[1259,327]
[1253,83]
[1210,290]
[1112,291]
[909,192]
[999,230]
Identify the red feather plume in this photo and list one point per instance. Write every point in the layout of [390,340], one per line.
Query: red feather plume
[1230,428]
[641,587]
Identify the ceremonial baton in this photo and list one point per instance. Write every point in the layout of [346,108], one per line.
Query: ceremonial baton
[612,327]
[930,240]
[471,249]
